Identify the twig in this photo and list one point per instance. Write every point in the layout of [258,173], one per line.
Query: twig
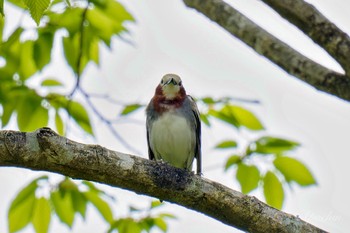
[106,97]
[108,122]
[316,26]
[81,48]
[87,96]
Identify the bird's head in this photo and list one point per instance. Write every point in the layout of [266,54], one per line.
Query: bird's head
[171,87]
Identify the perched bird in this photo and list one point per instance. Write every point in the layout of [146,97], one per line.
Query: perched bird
[173,125]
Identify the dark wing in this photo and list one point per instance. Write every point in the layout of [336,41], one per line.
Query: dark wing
[198,151]
[148,126]
[150,152]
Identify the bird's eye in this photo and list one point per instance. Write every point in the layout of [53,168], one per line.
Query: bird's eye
[180,83]
[161,81]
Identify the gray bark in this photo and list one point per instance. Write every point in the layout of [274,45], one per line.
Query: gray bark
[315,25]
[47,151]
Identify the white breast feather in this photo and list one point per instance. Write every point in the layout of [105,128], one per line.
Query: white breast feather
[172,140]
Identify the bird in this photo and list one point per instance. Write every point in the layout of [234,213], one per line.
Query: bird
[173,125]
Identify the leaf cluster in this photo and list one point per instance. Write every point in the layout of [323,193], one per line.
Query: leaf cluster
[67,200]
[280,170]
[86,27]
[145,222]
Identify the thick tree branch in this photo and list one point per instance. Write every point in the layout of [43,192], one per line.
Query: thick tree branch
[47,151]
[272,48]
[323,32]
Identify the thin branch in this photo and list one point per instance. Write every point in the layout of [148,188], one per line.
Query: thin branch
[45,150]
[81,49]
[243,100]
[87,97]
[272,48]
[323,32]
[108,122]
[78,64]
[107,98]
[127,120]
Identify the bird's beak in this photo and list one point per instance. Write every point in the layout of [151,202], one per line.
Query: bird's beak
[170,81]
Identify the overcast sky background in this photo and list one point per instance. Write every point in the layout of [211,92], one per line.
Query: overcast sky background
[168,37]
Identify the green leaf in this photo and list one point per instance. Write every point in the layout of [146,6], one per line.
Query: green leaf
[2,19]
[30,114]
[37,8]
[107,19]
[13,40]
[42,49]
[67,185]
[70,19]
[71,51]
[21,216]
[155,204]
[26,192]
[51,83]
[80,115]
[101,205]
[246,118]
[234,159]
[91,48]
[166,215]
[91,186]
[226,115]
[272,145]
[27,64]
[208,100]
[205,119]
[21,209]
[40,118]
[7,111]
[41,215]
[161,224]
[18,3]
[2,8]
[147,223]
[126,225]
[273,190]
[237,117]
[103,26]
[117,11]
[57,101]
[226,144]
[248,177]
[294,170]
[59,123]
[66,1]
[79,202]
[130,108]
[25,110]
[63,206]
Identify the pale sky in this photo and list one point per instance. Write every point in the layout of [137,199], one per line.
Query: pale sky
[170,38]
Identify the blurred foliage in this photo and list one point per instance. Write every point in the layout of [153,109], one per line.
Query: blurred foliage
[2,7]
[37,202]
[130,108]
[279,170]
[146,221]
[86,25]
